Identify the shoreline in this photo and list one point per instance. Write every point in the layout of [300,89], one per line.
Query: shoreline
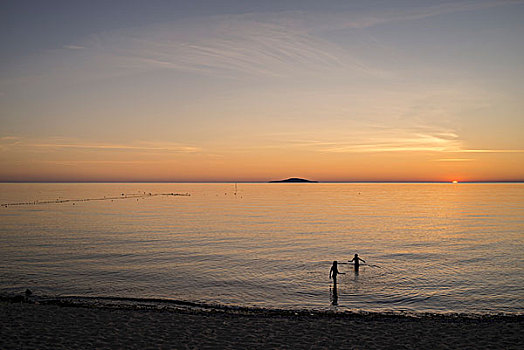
[174,305]
[55,325]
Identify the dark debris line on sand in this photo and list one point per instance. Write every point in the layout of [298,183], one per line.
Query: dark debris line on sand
[26,325]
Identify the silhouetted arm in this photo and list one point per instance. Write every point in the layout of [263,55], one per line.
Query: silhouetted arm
[362,260]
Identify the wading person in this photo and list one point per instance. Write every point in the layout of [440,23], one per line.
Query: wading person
[356,261]
[334,272]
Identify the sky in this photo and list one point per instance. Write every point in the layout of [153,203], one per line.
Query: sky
[261,90]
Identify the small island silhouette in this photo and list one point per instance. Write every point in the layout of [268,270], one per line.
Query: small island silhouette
[293,179]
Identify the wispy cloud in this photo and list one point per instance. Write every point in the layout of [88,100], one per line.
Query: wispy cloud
[226,46]
[8,142]
[73,47]
[103,162]
[404,142]
[372,139]
[274,44]
[9,139]
[365,20]
[492,151]
[117,147]
[57,144]
[454,160]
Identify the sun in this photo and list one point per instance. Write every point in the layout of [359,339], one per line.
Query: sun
[455,182]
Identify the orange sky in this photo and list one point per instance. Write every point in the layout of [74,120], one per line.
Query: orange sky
[334,92]
[259,165]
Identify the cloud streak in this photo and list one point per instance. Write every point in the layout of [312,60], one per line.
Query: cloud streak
[272,44]
[225,46]
[7,143]
[73,47]
[366,20]
[373,139]
[454,160]
[383,140]
[275,44]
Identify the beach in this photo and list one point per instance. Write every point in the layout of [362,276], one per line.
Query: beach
[39,326]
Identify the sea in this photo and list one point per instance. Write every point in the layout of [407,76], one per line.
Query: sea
[437,248]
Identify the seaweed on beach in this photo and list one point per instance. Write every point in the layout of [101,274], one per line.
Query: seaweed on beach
[189,307]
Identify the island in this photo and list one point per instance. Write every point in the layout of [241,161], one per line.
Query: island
[293,179]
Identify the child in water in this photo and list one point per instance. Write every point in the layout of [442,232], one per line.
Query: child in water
[356,262]
[334,272]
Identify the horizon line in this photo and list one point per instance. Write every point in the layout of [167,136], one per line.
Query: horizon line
[254,181]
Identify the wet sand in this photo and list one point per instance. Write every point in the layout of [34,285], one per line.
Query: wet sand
[33,326]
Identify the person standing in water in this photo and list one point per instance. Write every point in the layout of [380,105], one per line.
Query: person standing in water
[356,261]
[333,292]
[334,272]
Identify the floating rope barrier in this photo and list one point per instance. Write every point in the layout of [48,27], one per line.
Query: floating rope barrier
[122,196]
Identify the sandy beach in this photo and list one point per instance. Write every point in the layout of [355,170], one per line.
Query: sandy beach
[33,326]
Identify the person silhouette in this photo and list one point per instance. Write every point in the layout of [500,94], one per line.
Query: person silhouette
[334,272]
[356,262]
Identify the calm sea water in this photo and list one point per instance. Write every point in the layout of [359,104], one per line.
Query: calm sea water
[429,247]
